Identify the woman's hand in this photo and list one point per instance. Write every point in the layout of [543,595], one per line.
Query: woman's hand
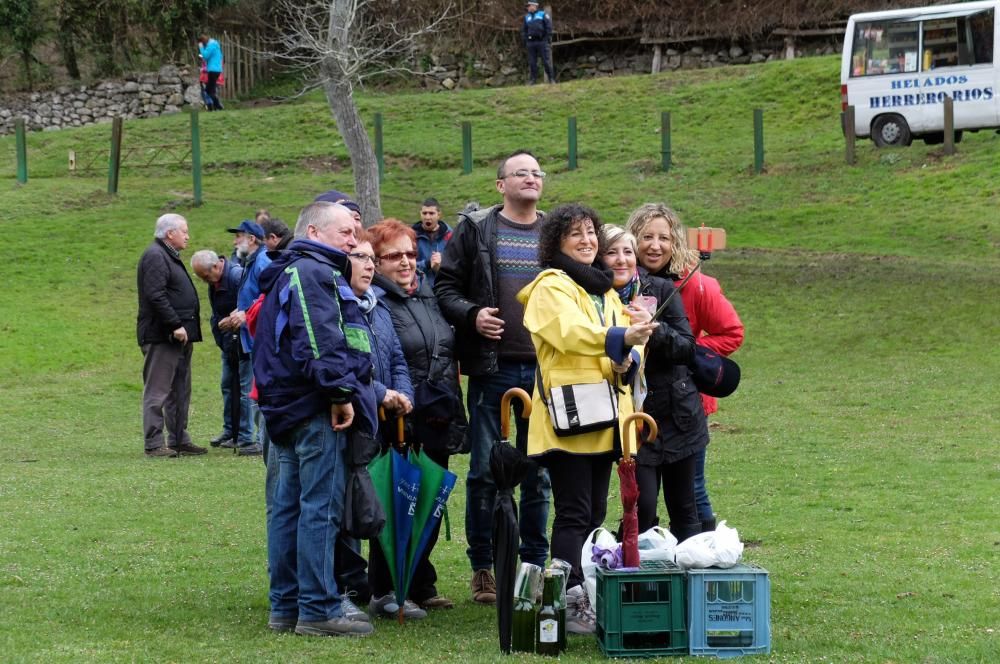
[397,402]
[638,314]
[624,366]
[639,333]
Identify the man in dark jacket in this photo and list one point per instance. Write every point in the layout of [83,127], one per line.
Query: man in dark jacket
[432,236]
[536,33]
[167,324]
[223,279]
[492,255]
[313,369]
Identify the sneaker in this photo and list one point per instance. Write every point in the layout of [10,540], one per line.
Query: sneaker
[220,439]
[336,627]
[228,444]
[188,449]
[484,587]
[250,450]
[437,602]
[386,607]
[161,452]
[282,624]
[580,618]
[351,610]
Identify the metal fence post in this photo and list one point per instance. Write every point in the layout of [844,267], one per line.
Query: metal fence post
[115,160]
[849,134]
[758,140]
[949,125]
[466,147]
[22,152]
[571,130]
[379,156]
[665,140]
[196,156]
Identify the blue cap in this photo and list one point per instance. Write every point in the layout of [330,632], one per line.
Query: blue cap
[334,196]
[247,226]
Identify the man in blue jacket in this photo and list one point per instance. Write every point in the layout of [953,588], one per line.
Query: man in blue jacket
[536,33]
[313,369]
[211,54]
[432,236]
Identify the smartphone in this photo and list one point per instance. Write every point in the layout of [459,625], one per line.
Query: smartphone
[706,239]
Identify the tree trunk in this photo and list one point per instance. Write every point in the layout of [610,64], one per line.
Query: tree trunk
[26,59]
[340,97]
[67,45]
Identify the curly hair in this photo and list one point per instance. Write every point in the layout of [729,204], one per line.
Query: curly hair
[557,225]
[682,258]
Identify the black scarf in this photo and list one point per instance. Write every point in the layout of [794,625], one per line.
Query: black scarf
[594,279]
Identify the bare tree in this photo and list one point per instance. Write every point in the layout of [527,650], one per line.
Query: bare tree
[339,44]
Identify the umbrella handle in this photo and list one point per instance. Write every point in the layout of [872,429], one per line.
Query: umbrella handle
[508,396]
[381,413]
[637,417]
[400,432]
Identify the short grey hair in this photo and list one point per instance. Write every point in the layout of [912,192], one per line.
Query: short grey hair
[166,223]
[319,215]
[204,260]
[611,234]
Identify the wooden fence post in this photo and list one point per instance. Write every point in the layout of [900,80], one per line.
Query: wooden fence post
[115,160]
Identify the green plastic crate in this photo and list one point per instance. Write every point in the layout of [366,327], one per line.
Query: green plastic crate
[641,613]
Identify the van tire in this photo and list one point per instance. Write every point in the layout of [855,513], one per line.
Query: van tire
[891,130]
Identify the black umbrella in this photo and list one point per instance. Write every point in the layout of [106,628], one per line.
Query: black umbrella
[509,467]
[235,388]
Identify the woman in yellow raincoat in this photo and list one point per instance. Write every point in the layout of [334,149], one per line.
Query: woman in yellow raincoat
[582,335]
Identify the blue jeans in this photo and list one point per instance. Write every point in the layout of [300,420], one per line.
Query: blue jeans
[700,491]
[246,435]
[305,520]
[485,393]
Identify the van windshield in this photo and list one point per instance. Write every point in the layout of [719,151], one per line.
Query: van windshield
[922,43]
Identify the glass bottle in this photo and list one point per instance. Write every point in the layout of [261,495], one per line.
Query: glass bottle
[523,623]
[560,597]
[547,634]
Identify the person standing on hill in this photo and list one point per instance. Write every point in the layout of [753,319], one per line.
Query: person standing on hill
[211,55]
[432,236]
[167,325]
[492,255]
[536,33]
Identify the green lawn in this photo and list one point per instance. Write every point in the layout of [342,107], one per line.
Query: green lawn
[858,459]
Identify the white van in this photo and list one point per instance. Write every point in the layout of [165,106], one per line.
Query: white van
[898,67]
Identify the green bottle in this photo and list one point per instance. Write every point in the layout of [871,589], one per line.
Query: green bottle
[523,624]
[547,634]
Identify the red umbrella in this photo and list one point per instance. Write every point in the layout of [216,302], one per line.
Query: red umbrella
[630,489]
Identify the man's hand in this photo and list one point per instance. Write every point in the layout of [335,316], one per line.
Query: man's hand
[436,260]
[488,325]
[181,334]
[341,416]
[237,319]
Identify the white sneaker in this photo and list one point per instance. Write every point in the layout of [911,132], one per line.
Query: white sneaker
[580,618]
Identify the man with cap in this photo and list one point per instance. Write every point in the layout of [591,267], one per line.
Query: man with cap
[249,243]
[536,33]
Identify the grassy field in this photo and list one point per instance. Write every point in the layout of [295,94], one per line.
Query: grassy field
[858,459]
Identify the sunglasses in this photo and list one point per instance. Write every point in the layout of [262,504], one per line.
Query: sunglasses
[397,256]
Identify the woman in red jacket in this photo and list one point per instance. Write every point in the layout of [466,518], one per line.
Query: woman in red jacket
[663,250]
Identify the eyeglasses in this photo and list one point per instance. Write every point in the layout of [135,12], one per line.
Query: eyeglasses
[364,257]
[397,256]
[524,172]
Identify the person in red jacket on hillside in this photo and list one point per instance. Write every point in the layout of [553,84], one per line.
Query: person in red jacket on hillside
[663,250]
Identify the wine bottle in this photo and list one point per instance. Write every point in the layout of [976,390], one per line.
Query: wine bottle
[547,634]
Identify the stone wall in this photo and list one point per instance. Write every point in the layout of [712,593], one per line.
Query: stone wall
[138,96]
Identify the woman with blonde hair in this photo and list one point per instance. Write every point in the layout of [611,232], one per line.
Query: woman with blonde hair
[662,250]
[672,399]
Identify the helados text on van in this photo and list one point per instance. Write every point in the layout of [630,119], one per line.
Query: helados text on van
[933,96]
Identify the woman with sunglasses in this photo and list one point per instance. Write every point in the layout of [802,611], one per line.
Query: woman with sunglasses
[438,423]
[672,399]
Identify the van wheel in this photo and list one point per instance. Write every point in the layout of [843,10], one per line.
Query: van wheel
[891,130]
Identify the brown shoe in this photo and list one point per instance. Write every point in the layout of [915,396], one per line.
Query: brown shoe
[189,449]
[161,452]
[484,587]
[439,602]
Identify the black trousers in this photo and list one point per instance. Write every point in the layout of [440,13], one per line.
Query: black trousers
[580,497]
[677,479]
[423,584]
[211,89]
[536,49]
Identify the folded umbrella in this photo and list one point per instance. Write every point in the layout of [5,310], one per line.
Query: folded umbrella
[630,488]
[509,467]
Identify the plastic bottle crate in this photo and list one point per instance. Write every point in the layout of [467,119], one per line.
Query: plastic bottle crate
[729,611]
[640,613]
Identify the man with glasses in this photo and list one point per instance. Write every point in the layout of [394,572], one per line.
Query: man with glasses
[478,297]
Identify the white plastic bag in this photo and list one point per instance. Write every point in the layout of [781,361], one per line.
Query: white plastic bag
[604,539]
[657,544]
[718,548]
